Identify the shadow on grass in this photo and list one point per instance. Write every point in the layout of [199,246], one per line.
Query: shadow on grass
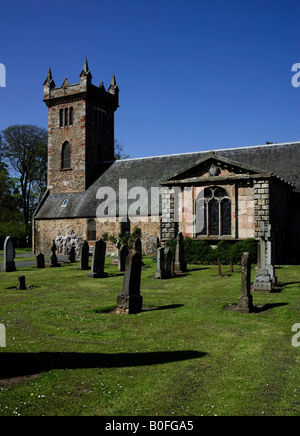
[24,364]
[268,306]
[170,306]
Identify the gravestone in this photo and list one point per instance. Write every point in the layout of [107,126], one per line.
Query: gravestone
[130,301]
[122,257]
[9,256]
[265,277]
[21,283]
[245,304]
[98,261]
[168,263]
[53,260]
[180,264]
[84,256]
[40,260]
[72,255]
[160,272]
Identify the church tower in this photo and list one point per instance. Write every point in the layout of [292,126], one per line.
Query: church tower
[80,131]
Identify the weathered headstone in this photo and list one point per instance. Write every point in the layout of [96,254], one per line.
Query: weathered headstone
[122,257]
[9,256]
[160,272]
[168,263]
[130,301]
[84,256]
[245,303]
[180,263]
[265,277]
[21,283]
[72,255]
[40,260]
[98,261]
[53,260]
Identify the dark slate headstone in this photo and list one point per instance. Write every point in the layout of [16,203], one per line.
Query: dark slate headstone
[72,255]
[98,262]
[130,301]
[180,263]
[245,303]
[40,260]
[9,256]
[21,283]
[123,255]
[84,256]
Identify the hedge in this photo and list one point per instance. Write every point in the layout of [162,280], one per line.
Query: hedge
[203,253]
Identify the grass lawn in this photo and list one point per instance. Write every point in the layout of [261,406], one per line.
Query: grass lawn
[185,355]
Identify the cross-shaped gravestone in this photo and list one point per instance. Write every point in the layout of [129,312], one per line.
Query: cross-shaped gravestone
[263,280]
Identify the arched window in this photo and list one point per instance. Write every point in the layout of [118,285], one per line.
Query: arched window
[71,116]
[91,230]
[66,156]
[213,213]
[61,118]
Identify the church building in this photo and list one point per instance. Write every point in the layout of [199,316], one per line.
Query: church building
[215,195]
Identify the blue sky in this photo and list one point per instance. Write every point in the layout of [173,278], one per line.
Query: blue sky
[193,75]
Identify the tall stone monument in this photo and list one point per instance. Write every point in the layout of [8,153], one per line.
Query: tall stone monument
[180,263]
[245,304]
[265,277]
[9,256]
[160,272]
[130,301]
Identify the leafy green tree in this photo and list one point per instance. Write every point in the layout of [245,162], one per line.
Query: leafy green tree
[11,222]
[24,149]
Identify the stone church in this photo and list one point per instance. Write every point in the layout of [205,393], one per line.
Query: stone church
[234,191]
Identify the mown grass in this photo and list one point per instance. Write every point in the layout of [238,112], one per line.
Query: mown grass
[186,355]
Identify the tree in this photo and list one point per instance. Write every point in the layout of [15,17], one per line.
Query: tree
[11,222]
[24,148]
[119,151]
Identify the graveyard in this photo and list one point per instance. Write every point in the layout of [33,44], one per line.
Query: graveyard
[188,352]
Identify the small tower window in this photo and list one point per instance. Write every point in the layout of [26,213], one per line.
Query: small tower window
[61,118]
[66,156]
[91,230]
[66,117]
[71,116]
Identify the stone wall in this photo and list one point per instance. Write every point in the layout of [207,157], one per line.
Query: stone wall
[47,230]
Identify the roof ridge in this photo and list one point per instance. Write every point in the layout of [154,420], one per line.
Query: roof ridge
[209,151]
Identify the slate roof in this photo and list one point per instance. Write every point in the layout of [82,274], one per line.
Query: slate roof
[283,160]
